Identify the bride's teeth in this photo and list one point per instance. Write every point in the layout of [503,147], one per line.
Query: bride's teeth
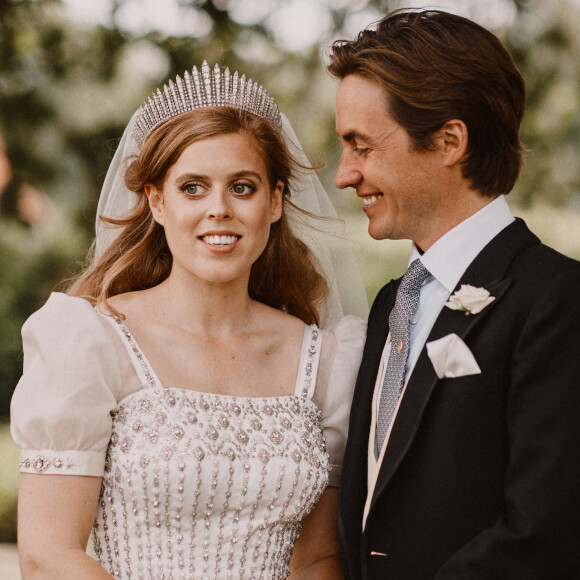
[220,240]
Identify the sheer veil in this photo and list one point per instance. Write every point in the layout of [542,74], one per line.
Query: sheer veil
[325,237]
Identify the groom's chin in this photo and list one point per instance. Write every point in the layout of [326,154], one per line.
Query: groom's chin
[378,233]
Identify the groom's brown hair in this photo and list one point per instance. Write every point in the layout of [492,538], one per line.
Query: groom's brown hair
[434,67]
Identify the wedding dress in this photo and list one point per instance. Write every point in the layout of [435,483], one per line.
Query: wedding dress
[195,485]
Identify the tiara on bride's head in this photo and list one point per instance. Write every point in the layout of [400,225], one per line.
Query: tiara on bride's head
[197,91]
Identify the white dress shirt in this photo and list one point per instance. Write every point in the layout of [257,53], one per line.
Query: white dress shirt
[447,260]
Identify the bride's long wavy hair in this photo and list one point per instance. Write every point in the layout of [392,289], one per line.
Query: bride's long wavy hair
[284,276]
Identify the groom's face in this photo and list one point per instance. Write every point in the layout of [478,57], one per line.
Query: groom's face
[394,180]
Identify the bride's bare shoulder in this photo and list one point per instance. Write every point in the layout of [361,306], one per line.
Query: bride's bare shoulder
[279,322]
[130,302]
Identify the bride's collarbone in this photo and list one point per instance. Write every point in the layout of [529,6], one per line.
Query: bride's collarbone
[261,360]
[249,367]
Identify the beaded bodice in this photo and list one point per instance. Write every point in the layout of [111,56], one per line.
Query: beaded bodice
[201,485]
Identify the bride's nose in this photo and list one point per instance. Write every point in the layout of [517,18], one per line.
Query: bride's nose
[219,205]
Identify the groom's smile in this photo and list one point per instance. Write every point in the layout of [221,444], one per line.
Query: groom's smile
[370,199]
[399,184]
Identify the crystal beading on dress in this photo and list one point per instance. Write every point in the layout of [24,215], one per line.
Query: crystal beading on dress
[202,485]
[218,90]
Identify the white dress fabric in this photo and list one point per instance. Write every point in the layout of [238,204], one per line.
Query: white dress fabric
[195,485]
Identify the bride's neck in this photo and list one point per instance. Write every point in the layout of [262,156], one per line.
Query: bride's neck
[216,308]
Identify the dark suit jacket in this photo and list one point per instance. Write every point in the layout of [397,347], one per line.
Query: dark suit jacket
[481,476]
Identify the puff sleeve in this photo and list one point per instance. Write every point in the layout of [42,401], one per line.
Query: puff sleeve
[342,347]
[60,410]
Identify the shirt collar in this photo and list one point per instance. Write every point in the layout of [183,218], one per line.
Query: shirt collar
[464,242]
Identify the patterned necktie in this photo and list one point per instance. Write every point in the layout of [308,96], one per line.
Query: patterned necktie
[405,306]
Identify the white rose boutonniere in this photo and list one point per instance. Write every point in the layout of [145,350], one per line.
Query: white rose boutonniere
[470,299]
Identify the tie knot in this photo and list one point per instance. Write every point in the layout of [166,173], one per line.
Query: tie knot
[414,277]
[410,288]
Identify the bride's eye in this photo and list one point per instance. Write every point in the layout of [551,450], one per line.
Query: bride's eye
[192,189]
[243,188]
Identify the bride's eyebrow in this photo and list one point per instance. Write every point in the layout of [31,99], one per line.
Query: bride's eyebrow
[247,173]
[189,176]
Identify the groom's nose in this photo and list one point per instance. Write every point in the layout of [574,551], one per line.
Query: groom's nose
[347,174]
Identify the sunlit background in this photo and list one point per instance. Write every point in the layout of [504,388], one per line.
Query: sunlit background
[73,71]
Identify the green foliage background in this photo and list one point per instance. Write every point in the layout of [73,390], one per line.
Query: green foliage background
[67,90]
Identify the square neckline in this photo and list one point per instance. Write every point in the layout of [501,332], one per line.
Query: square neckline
[305,379]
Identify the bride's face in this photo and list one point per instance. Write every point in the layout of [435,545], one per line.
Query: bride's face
[216,206]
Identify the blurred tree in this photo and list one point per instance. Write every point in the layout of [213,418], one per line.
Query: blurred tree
[546,45]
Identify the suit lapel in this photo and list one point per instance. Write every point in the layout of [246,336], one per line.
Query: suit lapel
[354,471]
[488,270]
[378,330]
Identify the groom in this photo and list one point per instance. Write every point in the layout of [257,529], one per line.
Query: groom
[463,458]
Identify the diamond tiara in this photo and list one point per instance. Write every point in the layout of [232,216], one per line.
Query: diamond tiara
[198,91]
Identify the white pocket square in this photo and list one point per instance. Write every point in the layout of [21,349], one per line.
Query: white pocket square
[452,358]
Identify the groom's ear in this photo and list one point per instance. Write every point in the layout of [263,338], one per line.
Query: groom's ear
[451,141]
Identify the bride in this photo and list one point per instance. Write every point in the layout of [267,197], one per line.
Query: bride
[187,400]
